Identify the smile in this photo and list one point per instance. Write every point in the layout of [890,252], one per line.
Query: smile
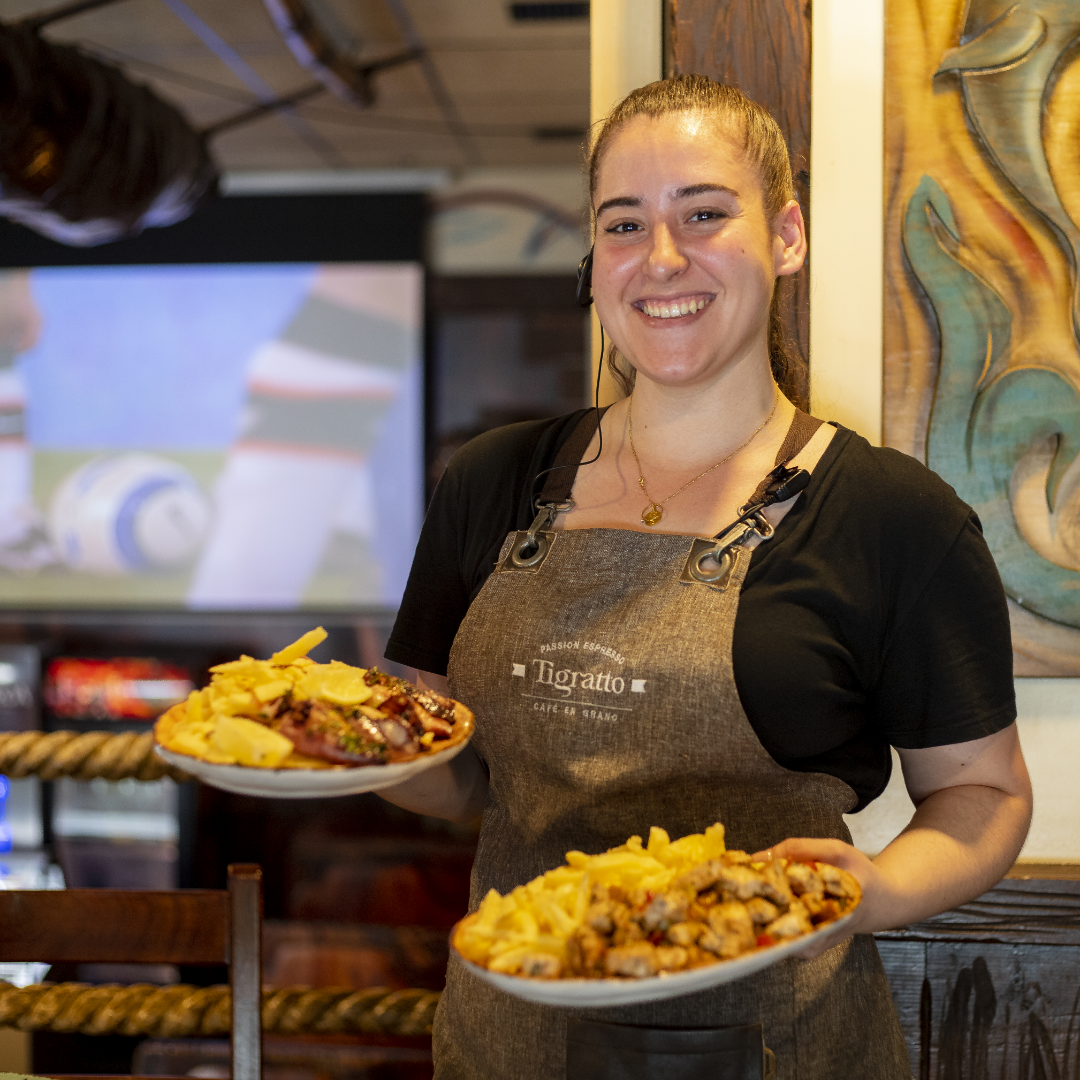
[673,309]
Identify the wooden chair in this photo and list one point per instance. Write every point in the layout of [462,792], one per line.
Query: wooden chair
[122,926]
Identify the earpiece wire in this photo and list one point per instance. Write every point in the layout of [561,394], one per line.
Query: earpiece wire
[599,428]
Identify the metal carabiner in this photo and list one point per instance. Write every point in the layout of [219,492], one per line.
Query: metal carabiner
[531,548]
[711,561]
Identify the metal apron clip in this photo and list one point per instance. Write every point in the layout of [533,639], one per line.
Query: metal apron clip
[531,548]
[711,561]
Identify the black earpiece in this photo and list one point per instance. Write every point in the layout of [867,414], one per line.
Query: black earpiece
[584,281]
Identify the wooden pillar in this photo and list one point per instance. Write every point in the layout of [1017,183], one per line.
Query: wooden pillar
[763,48]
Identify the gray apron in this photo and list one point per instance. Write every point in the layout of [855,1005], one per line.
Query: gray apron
[605,703]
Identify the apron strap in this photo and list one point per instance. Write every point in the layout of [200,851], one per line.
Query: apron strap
[802,430]
[560,481]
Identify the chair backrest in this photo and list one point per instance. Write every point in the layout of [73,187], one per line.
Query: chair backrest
[126,926]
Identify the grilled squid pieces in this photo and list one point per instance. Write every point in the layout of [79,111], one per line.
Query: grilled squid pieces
[289,712]
[637,911]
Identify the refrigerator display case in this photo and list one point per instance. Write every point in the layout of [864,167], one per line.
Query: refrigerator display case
[113,834]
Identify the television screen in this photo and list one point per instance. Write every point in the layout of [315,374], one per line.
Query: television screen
[211,436]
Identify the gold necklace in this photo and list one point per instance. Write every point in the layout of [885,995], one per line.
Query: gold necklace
[652,513]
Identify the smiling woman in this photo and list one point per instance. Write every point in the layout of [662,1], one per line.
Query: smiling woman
[726,611]
[750,138]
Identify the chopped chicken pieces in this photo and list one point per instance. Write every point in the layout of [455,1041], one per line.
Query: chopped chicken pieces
[636,961]
[701,877]
[733,928]
[803,878]
[598,917]
[719,910]
[742,882]
[838,882]
[776,887]
[761,910]
[686,933]
[793,923]
[541,965]
[665,909]
[671,958]
[585,952]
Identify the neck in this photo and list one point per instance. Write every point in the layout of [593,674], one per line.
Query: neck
[680,425]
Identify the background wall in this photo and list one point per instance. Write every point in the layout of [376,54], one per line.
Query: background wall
[846,253]
[846,377]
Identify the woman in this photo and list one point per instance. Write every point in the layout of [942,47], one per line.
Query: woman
[766,697]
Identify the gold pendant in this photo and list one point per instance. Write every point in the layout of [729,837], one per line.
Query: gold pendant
[652,514]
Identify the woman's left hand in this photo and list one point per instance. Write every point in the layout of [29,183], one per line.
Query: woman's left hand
[836,853]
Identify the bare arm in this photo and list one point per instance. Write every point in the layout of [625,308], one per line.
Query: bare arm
[455,791]
[973,808]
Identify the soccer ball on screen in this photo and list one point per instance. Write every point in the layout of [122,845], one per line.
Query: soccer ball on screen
[126,512]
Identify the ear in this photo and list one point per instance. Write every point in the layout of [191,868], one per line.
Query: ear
[789,240]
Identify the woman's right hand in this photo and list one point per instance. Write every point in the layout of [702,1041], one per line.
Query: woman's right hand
[456,791]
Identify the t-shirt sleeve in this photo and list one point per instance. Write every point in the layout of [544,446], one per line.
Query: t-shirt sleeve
[947,668]
[437,594]
[485,493]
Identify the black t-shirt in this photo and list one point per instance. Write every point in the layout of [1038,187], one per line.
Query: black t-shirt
[874,616]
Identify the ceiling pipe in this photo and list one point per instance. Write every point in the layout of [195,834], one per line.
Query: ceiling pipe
[436,87]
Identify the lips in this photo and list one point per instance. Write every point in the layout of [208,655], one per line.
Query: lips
[674,308]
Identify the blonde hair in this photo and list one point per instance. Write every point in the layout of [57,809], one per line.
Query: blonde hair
[764,146]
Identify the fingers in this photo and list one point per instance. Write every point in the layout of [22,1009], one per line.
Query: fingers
[812,849]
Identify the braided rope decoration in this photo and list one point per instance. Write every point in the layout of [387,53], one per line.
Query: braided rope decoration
[110,755]
[173,1012]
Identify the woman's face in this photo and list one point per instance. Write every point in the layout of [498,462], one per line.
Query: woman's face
[685,259]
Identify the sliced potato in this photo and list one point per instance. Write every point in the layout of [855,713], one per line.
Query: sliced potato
[249,742]
[337,683]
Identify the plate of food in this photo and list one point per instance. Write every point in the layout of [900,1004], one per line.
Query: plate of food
[290,728]
[646,922]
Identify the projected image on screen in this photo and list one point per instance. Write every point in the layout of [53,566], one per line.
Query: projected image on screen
[213,437]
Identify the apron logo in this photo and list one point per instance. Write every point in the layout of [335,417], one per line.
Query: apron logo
[565,680]
[553,686]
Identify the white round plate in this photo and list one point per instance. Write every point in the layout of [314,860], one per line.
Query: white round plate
[588,993]
[305,783]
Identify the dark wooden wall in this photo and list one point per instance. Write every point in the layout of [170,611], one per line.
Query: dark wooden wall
[991,990]
[763,48]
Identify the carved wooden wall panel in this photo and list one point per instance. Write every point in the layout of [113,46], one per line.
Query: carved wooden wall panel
[763,48]
[982,366]
[991,990]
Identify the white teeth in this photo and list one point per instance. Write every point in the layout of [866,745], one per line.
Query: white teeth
[673,311]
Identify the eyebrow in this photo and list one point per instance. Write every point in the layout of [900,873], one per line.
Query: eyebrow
[623,200]
[682,193]
[702,189]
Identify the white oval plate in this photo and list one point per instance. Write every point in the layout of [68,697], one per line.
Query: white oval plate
[587,993]
[305,783]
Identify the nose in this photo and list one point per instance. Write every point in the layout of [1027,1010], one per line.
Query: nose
[665,258]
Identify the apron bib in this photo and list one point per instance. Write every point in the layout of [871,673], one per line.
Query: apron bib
[605,703]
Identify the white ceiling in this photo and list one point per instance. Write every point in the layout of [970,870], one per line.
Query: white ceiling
[505,79]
